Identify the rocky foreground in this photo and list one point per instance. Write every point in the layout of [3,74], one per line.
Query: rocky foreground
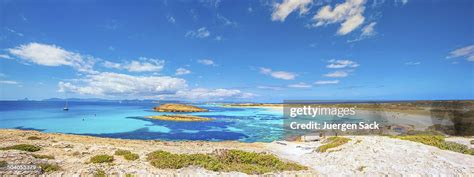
[362,155]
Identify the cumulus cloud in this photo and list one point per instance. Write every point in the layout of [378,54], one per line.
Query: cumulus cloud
[326,82]
[108,83]
[199,33]
[52,55]
[337,74]
[162,87]
[464,52]
[278,74]
[338,64]
[349,14]
[182,71]
[299,85]
[141,65]
[208,62]
[282,10]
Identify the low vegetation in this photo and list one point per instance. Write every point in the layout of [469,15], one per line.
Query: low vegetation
[472,141]
[122,152]
[172,107]
[127,155]
[437,141]
[100,173]
[23,147]
[102,159]
[180,118]
[33,138]
[43,156]
[3,163]
[333,142]
[225,160]
[46,167]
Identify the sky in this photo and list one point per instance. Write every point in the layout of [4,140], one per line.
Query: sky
[226,50]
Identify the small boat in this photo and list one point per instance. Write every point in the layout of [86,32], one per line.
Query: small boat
[66,108]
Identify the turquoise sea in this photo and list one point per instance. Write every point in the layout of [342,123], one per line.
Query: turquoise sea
[126,120]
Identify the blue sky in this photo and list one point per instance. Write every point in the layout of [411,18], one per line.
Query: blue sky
[238,50]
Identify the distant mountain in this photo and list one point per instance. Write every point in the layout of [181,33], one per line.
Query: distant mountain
[107,100]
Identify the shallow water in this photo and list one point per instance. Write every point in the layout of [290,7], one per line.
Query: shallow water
[126,120]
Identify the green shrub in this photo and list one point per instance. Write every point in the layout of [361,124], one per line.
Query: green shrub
[46,167]
[102,159]
[43,156]
[3,163]
[127,154]
[33,138]
[100,173]
[333,142]
[122,152]
[227,160]
[437,141]
[23,147]
[131,156]
[128,175]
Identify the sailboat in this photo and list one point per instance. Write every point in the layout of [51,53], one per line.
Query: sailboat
[66,108]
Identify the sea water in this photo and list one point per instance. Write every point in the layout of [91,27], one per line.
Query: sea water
[127,120]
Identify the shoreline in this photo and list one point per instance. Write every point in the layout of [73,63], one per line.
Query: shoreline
[375,155]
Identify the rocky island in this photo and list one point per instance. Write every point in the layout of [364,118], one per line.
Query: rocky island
[171,107]
[180,118]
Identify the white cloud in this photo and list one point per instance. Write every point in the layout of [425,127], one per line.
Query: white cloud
[269,87]
[278,74]
[8,57]
[349,14]
[52,55]
[326,82]
[171,19]
[282,10]
[162,87]
[108,83]
[403,2]
[225,21]
[413,63]
[300,85]
[337,64]
[199,33]
[337,74]
[141,65]
[182,71]
[14,32]
[210,94]
[368,30]
[9,82]
[218,38]
[464,52]
[207,62]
